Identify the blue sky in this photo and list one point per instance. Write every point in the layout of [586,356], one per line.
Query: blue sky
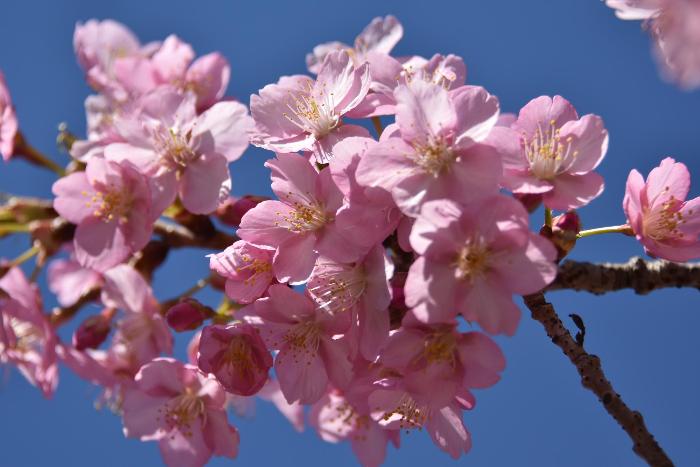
[538,414]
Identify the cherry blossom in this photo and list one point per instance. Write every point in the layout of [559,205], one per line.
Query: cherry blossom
[473,260]
[302,114]
[657,211]
[550,151]
[176,405]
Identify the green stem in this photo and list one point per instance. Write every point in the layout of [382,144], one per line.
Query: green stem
[623,229]
[12,227]
[547,217]
[30,253]
[377,126]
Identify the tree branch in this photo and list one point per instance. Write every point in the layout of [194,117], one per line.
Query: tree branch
[593,378]
[636,274]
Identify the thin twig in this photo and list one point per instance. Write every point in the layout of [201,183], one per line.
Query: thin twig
[593,378]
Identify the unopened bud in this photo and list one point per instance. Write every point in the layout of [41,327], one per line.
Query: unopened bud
[92,332]
[231,211]
[563,232]
[186,315]
[531,201]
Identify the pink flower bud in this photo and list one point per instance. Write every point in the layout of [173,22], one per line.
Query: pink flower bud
[92,332]
[187,315]
[563,232]
[232,210]
[237,357]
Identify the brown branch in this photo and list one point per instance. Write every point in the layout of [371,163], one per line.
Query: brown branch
[178,236]
[593,378]
[636,274]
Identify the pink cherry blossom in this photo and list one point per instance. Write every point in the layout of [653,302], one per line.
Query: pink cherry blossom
[657,211]
[181,408]
[247,269]
[111,203]
[335,420]
[269,392]
[361,288]
[473,259]
[437,361]
[379,36]
[437,154]
[550,151]
[310,355]
[300,114]
[186,153]
[70,281]
[142,334]
[172,65]
[8,121]
[236,355]
[448,71]
[301,225]
[99,45]
[394,407]
[27,339]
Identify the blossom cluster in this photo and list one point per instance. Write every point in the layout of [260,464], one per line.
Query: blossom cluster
[375,281]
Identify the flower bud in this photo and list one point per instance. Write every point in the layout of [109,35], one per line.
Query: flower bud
[237,357]
[231,211]
[563,232]
[186,315]
[92,332]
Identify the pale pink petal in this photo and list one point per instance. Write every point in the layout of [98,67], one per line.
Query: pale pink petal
[477,112]
[301,374]
[201,183]
[380,35]
[423,110]
[73,197]
[295,258]
[669,179]
[223,129]
[589,143]
[209,76]
[574,191]
[100,245]
[448,432]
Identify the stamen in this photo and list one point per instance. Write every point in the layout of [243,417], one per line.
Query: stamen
[547,153]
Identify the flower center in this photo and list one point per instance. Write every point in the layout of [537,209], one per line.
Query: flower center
[547,153]
[435,157]
[663,222]
[109,205]
[181,411]
[303,341]
[174,148]
[337,287]
[238,356]
[472,260]
[408,413]
[306,216]
[351,422]
[312,112]
[440,347]
[255,267]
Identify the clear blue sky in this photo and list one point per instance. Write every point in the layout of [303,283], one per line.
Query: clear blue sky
[538,414]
